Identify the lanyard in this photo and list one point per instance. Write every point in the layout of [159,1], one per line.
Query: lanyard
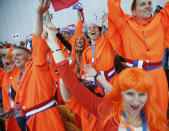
[11,90]
[68,52]
[93,51]
[48,58]
[95,82]
[20,76]
[144,121]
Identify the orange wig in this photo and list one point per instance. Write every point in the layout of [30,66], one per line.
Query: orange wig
[73,53]
[139,80]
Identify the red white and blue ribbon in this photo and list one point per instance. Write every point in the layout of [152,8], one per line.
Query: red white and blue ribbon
[146,65]
[79,6]
[41,107]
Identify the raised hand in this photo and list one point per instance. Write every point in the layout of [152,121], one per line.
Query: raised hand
[103,18]
[90,72]
[43,6]
[52,42]
[50,36]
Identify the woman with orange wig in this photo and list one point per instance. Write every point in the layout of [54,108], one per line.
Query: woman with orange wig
[130,104]
[78,47]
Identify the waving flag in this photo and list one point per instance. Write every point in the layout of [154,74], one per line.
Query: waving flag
[62,4]
[79,6]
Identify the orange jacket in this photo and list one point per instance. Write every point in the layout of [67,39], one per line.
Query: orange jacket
[103,57]
[37,87]
[137,41]
[10,124]
[78,33]
[87,119]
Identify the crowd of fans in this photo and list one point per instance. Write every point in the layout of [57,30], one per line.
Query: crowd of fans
[69,80]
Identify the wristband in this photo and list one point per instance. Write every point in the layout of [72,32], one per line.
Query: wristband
[56,50]
[96,75]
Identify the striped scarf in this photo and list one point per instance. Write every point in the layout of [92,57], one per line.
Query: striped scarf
[79,51]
